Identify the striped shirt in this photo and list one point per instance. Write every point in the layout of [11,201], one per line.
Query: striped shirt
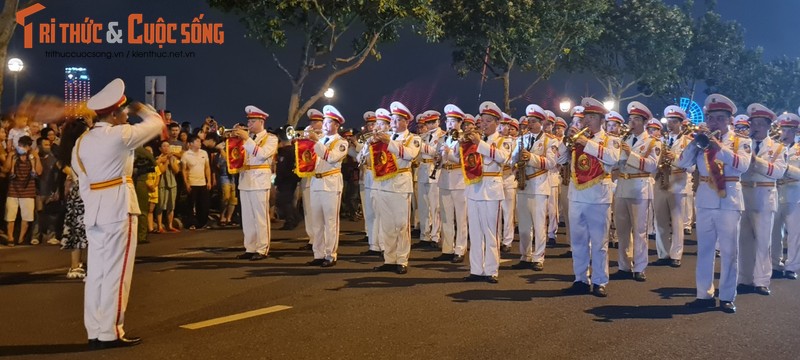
[22,184]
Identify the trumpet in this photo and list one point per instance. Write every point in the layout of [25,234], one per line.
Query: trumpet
[569,141]
[775,133]
[463,136]
[225,133]
[664,169]
[625,132]
[703,139]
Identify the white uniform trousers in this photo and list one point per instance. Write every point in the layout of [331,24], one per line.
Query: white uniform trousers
[563,198]
[369,218]
[552,211]
[484,242]
[392,225]
[454,221]
[589,241]
[306,210]
[112,249]
[689,211]
[669,212]
[755,238]
[324,214]
[630,219]
[717,226]
[532,215]
[428,213]
[508,204]
[786,222]
[255,222]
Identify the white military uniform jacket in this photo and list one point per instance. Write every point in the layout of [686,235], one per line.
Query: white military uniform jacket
[735,158]
[509,180]
[495,153]
[367,176]
[766,167]
[555,174]
[605,147]
[330,151]
[543,150]
[639,166]
[789,186]
[427,152]
[405,148]
[451,179]
[258,152]
[104,154]
[678,178]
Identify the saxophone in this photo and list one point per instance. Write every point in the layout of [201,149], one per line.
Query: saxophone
[664,169]
[519,166]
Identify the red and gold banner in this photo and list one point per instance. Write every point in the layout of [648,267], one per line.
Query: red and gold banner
[234,154]
[473,162]
[587,170]
[384,163]
[305,158]
[715,170]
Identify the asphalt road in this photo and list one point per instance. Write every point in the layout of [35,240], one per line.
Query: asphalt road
[351,312]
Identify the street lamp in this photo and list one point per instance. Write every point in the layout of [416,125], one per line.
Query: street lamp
[329,93]
[15,66]
[565,105]
[609,104]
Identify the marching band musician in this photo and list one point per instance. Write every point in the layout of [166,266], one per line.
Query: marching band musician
[255,181]
[376,244]
[614,123]
[552,201]
[103,159]
[314,125]
[741,125]
[788,205]
[590,193]
[509,203]
[559,130]
[719,203]
[523,125]
[483,161]
[453,204]
[669,197]
[538,153]
[366,183]
[392,156]
[427,186]
[326,188]
[638,161]
[760,202]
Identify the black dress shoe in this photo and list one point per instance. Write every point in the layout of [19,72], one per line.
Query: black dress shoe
[385,267]
[492,279]
[258,256]
[473,278]
[433,244]
[791,275]
[745,289]
[420,245]
[551,242]
[578,288]
[245,256]
[288,227]
[599,291]
[651,236]
[762,290]
[124,341]
[444,257]
[639,276]
[371,253]
[457,259]
[566,255]
[702,303]
[328,263]
[621,275]
[662,262]
[505,248]
[401,269]
[727,307]
[315,262]
[307,247]
[777,274]
[537,266]
[675,263]
[522,265]
[562,224]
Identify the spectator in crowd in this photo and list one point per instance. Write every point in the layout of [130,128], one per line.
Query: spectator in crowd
[167,187]
[152,190]
[176,145]
[186,127]
[197,179]
[19,130]
[351,202]
[143,164]
[286,183]
[35,129]
[22,167]
[73,236]
[183,137]
[49,202]
[3,176]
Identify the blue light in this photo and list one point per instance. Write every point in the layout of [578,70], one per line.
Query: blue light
[693,110]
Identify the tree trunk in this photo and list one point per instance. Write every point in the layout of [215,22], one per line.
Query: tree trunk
[8,23]
[506,96]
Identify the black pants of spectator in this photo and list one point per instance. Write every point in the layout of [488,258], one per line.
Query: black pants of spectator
[199,200]
[286,206]
[351,201]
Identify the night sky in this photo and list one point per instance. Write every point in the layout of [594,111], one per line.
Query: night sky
[222,79]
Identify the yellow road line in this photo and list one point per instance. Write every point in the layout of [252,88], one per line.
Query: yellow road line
[235,317]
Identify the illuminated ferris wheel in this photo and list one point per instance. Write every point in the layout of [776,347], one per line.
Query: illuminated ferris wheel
[693,110]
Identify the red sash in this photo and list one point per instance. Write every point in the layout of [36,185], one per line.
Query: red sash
[305,158]
[234,154]
[587,170]
[473,162]
[384,163]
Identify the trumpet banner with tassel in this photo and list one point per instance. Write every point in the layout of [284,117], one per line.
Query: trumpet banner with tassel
[234,154]
[473,162]
[305,158]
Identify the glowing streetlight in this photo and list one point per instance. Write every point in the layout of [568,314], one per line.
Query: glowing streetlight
[329,93]
[15,65]
[664,120]
[609,104]
[565,105]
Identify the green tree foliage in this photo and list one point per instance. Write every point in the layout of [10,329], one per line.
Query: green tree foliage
[528,35]
[639,53]
[746,81]
[784,84]
[335,36]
